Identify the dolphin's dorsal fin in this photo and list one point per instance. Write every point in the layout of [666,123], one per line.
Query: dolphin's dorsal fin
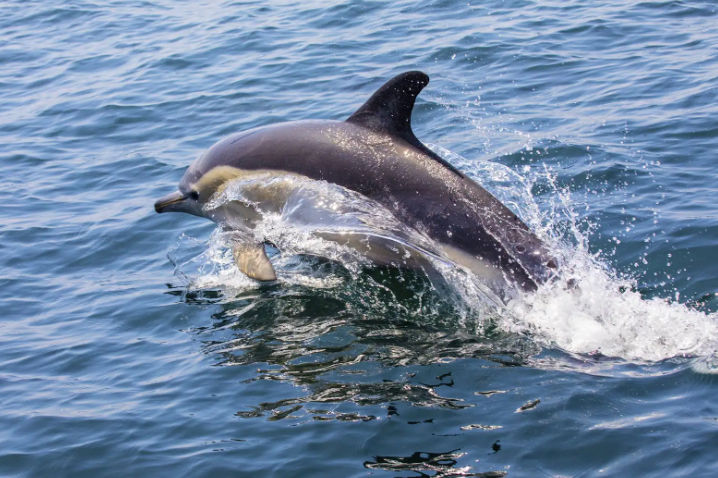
[389,111]
[389,108]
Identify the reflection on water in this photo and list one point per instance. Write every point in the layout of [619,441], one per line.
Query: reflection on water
[440,464]
[328,341]
[334,343]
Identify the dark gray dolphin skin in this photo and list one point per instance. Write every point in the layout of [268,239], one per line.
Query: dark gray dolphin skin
[375,153]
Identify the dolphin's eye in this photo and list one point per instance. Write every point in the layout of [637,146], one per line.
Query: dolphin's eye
[194,195]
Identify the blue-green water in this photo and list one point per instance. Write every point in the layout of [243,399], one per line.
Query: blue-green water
[128,347]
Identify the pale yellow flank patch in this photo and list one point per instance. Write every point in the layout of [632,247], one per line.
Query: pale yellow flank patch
[216,180]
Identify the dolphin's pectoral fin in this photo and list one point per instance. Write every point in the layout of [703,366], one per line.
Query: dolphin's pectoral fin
[252,261]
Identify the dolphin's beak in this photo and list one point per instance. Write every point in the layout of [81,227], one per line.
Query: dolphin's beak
[170,202]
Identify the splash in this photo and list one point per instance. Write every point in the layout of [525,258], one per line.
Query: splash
[329,237]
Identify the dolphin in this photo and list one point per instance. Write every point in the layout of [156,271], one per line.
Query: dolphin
[376,154]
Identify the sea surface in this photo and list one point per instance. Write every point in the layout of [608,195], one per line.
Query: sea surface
[131,346]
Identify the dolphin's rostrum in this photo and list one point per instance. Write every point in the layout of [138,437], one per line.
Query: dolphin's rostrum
[374,153]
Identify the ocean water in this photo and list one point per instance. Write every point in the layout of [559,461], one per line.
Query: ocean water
[131,346]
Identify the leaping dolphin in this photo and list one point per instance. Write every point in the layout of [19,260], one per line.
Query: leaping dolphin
[374,153]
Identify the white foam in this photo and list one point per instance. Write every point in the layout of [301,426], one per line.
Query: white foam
[597,317]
